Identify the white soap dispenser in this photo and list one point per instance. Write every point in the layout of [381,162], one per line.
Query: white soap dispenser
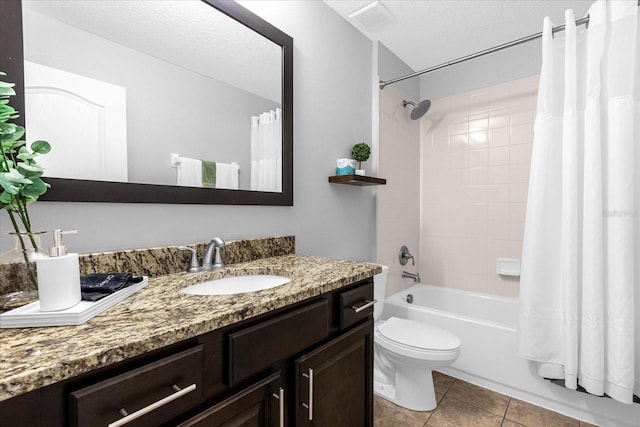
[58,276]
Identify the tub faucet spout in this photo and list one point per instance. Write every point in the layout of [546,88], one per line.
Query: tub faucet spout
[415,277]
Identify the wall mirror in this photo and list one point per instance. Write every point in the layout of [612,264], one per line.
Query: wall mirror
[155,102]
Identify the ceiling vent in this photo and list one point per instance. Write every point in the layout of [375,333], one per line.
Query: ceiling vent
[372,15]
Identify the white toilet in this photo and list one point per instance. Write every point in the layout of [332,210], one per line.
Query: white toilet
[406,351]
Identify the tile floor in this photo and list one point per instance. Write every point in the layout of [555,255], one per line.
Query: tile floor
[461,404]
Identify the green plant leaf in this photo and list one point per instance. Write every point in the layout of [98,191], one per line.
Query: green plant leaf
[19,132]
[6,197]
[30,200]
[41,147]
[7,128]
[16,177]
[8,201]
[13,140]
[10,132]
[5,166]
[30,171]
[6,89]
[17,144]
[34,190]
[6,111]
[360,152]
[6,147]
[25,155]
[9,147]
[9,187]
[5,116]
[20,182]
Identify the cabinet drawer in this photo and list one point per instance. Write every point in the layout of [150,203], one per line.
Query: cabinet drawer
[258,405]
[352,303]
[255,348]
[165,388]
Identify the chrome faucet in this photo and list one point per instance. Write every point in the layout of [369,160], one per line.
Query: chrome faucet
[415,277]
[213,253]
[212,259]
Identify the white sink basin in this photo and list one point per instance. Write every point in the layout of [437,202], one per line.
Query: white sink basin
[236,285]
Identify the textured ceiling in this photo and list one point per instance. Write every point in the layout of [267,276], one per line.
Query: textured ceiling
[424,33]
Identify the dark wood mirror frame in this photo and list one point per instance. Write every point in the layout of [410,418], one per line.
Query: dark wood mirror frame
[74,190]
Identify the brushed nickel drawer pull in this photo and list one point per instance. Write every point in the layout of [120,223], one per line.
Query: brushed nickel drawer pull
[310,405]
[364,306]
[280,397]
[155,405]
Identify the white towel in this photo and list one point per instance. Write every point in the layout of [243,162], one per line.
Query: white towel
[189,172]
[227,175]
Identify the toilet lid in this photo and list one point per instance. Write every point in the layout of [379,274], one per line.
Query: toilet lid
[419,335]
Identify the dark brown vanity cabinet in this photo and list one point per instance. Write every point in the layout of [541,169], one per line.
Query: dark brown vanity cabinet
[325,351]
[334,382]
[307,364]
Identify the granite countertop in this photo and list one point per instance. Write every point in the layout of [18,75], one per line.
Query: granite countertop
[158,316]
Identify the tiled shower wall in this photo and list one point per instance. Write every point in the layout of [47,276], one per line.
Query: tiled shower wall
[474,167]
[398,202]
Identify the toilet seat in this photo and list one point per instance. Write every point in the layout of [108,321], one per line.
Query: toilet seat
[417,340]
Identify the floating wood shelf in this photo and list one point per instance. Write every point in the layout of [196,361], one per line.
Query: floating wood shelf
[357,180]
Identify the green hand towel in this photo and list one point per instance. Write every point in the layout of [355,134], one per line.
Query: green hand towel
[208,174]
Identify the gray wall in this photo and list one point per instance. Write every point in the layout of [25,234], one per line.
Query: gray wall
[390,67]
[169,109]
[514,63]
[332,87]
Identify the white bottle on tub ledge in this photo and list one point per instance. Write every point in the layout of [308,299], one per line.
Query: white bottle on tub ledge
[58,276]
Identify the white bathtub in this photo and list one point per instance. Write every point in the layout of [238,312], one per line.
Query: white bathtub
[487,326]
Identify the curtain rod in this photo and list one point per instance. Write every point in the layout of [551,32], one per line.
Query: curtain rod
[559,28]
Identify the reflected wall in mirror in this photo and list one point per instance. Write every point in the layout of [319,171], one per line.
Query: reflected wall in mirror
[138,98]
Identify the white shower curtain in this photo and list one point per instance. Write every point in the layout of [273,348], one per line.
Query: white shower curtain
[581,250]
[266,151]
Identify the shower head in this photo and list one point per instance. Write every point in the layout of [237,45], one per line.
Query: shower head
[419,110]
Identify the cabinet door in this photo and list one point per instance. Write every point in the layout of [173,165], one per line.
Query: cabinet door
[260,405]
[334,383]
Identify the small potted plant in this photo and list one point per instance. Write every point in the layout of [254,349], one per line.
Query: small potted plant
[20,182]
[360,153]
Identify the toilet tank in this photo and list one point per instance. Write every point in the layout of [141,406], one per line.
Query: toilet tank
[379,289]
